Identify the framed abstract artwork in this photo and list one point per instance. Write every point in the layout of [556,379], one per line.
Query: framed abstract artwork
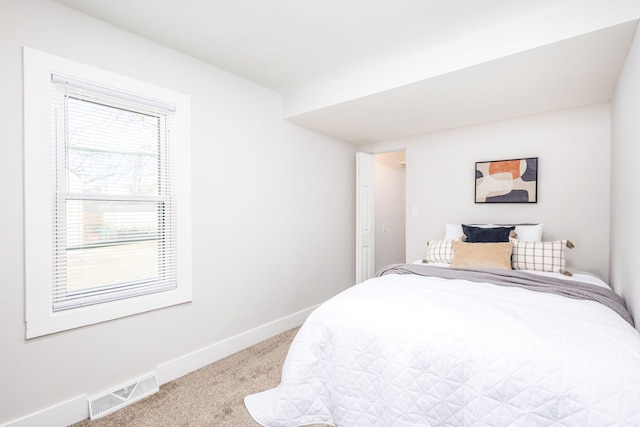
[507,181]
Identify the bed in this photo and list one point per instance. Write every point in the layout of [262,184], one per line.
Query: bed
[439,345]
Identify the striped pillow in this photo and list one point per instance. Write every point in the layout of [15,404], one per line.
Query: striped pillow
[540,256]
[439,251]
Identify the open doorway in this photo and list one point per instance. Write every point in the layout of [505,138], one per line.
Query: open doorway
[380,212]
[390,239]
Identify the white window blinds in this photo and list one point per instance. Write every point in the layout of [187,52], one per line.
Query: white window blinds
[114,231]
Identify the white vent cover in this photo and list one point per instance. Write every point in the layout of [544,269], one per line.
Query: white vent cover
[111,401]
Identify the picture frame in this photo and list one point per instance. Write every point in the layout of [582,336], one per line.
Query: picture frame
[507,181]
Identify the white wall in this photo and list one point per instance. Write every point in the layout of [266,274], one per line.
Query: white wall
[273,216]
[573,179]
[390,223]
[625,183]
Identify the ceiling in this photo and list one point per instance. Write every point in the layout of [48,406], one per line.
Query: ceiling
[374,70]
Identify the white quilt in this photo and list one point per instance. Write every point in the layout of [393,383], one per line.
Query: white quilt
[399,351]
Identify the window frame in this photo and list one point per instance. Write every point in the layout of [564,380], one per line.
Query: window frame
[39,185]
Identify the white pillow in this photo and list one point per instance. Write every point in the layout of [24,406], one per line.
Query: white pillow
[529,233]
[525,233]
[452,231]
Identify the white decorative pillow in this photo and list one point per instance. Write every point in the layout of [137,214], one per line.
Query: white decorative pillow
[439,251]
[524,232]
[540,256]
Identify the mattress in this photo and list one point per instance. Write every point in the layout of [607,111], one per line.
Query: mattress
[408,350]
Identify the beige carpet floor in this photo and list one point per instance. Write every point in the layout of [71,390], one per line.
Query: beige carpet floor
[212,396]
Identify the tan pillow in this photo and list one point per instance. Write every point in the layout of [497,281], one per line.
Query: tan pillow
[482,255]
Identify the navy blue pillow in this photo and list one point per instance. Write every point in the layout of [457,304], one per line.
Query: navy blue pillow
[486,235]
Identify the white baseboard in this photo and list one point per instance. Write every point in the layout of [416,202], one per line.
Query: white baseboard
[176,368]
[76,409]
[60,415]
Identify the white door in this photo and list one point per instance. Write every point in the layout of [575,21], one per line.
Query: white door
[365,215]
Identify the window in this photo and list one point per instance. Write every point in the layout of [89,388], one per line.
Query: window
[106,195]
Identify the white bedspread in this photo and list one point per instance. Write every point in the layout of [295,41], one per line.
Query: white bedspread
[399,351]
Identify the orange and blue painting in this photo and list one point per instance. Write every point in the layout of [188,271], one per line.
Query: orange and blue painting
[507,181]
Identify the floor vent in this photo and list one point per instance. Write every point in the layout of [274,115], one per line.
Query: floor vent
[111,401]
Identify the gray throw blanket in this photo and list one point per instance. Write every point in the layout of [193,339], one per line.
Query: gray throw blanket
[521,279]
